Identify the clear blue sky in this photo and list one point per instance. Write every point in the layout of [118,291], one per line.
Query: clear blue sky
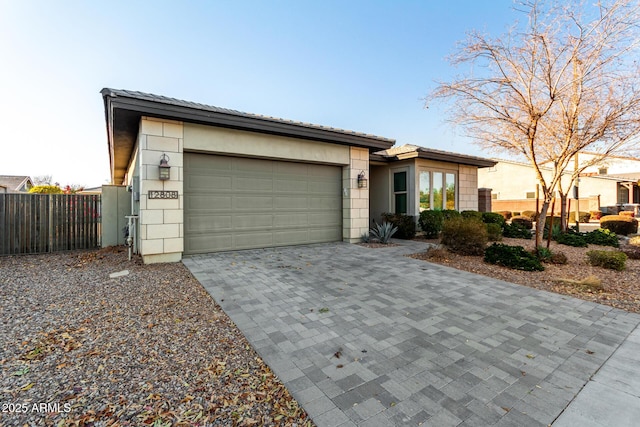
[358,65]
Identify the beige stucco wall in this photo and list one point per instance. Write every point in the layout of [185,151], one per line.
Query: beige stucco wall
[251,144]
[511,181]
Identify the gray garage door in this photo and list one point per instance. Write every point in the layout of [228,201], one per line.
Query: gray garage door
[240,203]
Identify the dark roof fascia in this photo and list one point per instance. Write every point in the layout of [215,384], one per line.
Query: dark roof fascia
[254,124]
[456,158]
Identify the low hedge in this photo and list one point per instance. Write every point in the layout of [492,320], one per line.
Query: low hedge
[515,257]
[494,232]
[516,231]
[595,215]
[474,215]
[464,236]
[493,218]
[431,223]
[406,225]
[613,260]
[532,215]
[619,224]
[524,221]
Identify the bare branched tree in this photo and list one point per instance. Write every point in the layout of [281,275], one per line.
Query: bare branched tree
[566,81]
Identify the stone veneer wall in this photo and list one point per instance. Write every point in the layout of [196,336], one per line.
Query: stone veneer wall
[467,188]
[161,222]
[355,201]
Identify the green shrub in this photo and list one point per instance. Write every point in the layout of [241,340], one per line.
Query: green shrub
[451,214]
[366,237]
[431,223]
[516,231]
[493,218]
[505,214]
[532,215]
[613,260]
[619,224]
[382,232]
[543,254]
[465,237]
[474,215]
[494,232]
[406,225]
[576,240]
[595,215]
[523,221]
[46,189]
[515,257]
[602,237]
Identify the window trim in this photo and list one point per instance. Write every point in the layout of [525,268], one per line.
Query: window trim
[394,171]
[444,173]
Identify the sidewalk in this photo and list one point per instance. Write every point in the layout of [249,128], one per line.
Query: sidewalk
[612,396]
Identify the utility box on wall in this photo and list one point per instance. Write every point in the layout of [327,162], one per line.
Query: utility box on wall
[116,204]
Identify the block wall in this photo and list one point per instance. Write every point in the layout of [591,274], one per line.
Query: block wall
[355,201]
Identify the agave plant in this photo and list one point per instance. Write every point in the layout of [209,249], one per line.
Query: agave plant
[366,237]
[383,232]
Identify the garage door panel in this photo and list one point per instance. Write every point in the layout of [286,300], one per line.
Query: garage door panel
[208,182]
[290,220]
[209,223]
[252,221]
[209,203]
[293,186]
[252,202]
[253,184]
[241,203]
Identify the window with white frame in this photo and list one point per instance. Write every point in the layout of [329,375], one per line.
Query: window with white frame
[438,190]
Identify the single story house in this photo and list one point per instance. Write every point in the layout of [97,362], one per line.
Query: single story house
[15,183]
[239,181]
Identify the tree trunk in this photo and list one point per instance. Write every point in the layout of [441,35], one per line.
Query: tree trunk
[542,216]
[563,212]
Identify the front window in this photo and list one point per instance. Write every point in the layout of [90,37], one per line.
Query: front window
[437,190]
[400,192]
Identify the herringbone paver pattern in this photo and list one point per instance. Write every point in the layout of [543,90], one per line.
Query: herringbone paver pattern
[370,337]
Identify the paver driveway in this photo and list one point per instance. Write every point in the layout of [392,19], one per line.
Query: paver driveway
[370,337]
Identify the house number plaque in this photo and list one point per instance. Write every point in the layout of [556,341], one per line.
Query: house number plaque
[163,194]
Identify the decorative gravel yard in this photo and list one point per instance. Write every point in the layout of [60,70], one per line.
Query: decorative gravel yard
[147,348]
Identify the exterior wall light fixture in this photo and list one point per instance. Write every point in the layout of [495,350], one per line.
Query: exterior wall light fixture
[362,181]
[164,170]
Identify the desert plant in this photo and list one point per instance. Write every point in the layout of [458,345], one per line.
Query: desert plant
[383,232]
[602,237]
[494,232]
[631,251]
[576,240]
[493,218]
[595,215]
[406,225]
[523,221]
[613,260]
[532,215]
[591,282]
[619,224]
[366,237]
[505,214]
[465,237]
[515,257]
[583,217]
[516,231]
[543,254]
[474,215]
[439,253]
[431,223]
[558,258]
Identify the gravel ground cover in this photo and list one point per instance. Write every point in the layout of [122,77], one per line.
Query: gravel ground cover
[621,288]
[147,348]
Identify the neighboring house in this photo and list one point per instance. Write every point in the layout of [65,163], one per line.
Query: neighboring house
[3,189]
[410,179]
[513,186]
[240,181]
[16,183]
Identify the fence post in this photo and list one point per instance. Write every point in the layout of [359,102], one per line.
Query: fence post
[50,230]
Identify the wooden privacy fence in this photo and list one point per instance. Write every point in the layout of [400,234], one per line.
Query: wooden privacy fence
[37,223]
